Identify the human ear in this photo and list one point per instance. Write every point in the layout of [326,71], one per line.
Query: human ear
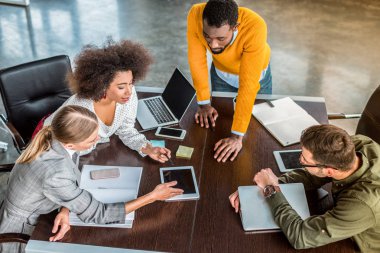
[329,171]
[69,145]
[235,27]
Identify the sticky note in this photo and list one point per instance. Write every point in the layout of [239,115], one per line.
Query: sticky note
[158,143]
[184,152]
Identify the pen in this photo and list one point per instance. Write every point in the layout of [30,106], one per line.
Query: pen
[170,161]
[212,128]
[270,103]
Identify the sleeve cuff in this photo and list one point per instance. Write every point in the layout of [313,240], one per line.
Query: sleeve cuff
[204,102]
[238,133]
[144,146]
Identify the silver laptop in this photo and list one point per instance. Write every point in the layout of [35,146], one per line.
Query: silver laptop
[169,108]
[255,211]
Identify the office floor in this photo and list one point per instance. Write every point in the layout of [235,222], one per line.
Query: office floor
[326,48]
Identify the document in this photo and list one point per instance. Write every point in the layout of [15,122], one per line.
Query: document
[255,212]
[110,190]
[284,119]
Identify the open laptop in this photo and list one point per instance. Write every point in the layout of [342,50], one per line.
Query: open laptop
[255,212]
[169,108]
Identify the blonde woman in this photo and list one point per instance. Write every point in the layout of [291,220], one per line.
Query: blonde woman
[45,178]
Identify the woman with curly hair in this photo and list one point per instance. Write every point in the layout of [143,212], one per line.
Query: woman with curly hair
[103,82]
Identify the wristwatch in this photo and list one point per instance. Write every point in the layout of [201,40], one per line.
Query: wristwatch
[271,190]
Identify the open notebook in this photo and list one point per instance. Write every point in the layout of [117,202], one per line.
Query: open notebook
[112,190]
[285,120]
[255,211]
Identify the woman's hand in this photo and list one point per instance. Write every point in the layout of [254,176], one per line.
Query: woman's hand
[165,191]
[62,220]
[235,201]
[157,153]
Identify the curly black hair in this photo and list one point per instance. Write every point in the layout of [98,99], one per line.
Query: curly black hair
[220,12]
[96,67]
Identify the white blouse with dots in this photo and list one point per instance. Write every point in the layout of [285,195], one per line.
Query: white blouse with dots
[123,123]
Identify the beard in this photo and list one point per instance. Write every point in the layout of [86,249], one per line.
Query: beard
[217,50]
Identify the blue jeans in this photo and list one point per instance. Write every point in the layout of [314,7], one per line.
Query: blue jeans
[219,84]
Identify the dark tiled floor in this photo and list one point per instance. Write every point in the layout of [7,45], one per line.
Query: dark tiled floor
[328,48]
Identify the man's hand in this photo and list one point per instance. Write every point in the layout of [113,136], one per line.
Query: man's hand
[235,201]
[204,114]
[227,147]
[265,177]
[62,220]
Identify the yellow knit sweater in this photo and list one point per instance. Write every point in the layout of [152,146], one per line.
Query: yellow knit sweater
[247,57]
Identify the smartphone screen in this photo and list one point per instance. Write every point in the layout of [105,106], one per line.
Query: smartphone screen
[171,132]
[184,179]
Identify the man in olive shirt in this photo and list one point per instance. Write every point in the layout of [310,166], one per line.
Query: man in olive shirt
[352,164]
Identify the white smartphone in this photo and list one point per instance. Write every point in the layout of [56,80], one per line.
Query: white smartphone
[173,133]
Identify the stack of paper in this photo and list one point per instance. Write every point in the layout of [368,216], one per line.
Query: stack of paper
[184,152]
[112,190]
[284,119]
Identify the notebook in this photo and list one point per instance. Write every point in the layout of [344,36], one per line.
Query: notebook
[111,190]
[169,108]
[255,211]
[284,119]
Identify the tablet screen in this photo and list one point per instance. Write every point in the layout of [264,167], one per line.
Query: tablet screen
[184,180]
[291,160]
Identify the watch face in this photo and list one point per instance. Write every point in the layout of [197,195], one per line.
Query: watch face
[269,190]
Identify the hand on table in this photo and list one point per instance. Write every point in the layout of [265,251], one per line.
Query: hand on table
[235,201]
[265,177]
[228,147]
[204,114]
[62,220]
[166,191]
[157,153]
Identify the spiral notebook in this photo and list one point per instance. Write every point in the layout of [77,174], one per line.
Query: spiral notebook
[284,119]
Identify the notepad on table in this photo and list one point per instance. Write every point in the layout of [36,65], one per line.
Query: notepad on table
[285,119]
[158,143]
[110,190]
[184,152]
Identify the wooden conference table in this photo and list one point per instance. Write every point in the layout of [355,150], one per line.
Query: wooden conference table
[208,224]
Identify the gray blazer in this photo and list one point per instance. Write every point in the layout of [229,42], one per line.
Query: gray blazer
[49,182]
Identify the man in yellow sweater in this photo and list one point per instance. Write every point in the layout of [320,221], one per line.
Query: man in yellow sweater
[237,39]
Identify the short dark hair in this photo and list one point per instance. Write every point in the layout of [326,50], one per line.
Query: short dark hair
[96,67]
[329,145]
[220,12]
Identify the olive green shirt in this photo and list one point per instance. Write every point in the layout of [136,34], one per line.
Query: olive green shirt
[356,211]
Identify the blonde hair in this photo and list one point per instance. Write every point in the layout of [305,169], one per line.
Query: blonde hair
[71,124]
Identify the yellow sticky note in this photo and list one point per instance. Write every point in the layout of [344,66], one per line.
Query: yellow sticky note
[184,152]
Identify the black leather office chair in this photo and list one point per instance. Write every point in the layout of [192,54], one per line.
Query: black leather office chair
[31,91]
[369,123]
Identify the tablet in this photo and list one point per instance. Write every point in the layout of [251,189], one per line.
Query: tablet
[288,160]
[186,181]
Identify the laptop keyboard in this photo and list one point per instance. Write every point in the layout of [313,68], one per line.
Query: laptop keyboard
[158,110]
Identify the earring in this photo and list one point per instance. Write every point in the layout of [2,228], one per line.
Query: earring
[104,95]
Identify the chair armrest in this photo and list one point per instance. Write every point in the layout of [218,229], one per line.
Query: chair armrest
[14,237]
[17,139]
[343,116]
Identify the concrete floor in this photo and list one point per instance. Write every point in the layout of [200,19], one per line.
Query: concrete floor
[328,48]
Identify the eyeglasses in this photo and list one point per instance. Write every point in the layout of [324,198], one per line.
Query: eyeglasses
[311,165]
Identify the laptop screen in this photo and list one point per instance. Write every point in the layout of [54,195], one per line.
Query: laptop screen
[178,94]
